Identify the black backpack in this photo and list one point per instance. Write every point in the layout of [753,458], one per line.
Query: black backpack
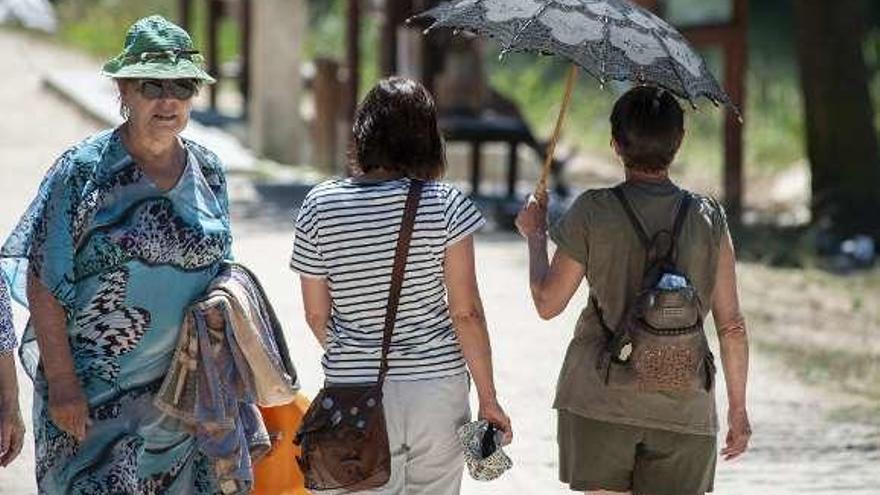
[659,343]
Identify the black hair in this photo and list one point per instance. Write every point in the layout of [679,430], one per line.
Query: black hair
[647,124]
[395,129]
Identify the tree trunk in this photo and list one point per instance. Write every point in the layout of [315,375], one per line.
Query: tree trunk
[841,139]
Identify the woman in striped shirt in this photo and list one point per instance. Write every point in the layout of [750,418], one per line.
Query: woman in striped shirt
[346,235]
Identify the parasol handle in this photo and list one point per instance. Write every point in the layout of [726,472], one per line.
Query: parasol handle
[541,187]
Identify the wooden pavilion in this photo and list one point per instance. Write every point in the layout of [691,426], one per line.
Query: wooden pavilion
[729,33]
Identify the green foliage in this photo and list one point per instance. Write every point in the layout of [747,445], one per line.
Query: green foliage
[690,12]
[327,29]
[774,128]
[99,26]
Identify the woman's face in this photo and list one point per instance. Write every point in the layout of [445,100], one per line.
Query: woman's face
[158,108]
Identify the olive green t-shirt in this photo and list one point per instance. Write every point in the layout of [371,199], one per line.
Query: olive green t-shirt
[596,232]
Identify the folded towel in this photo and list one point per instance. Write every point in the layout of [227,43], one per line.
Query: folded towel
[230,357]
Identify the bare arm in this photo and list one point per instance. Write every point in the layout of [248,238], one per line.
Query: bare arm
[8,381]
[552,284]
[734,343]
[11,424]
[468,318]
[67,403]
[50,325]
[316,300]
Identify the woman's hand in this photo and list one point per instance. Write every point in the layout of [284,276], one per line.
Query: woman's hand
[492,412]
[532,219]
[68,406]
[738,434]
[11,431]
[11,425]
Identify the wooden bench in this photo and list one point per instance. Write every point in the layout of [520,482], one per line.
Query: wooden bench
[489,127]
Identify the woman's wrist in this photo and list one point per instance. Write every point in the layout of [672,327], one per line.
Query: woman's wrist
[8,380]
[9,399]
[487,397]
[62,379]
[538,237]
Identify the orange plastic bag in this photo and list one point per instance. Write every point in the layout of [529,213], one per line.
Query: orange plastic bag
[277,473]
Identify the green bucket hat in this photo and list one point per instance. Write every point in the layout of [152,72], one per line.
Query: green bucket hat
[156,48]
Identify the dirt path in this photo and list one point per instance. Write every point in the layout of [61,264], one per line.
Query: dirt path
[807,440]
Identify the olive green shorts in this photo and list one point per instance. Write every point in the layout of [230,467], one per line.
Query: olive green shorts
[597,455]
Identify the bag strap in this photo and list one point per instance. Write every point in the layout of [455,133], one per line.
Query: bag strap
[681,215]
[671,255]
[647,241]
[406,229]
[633,218]
[678,225]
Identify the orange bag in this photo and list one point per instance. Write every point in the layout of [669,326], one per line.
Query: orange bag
[277,473]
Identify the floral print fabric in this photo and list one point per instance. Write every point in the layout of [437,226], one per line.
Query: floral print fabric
[124,258]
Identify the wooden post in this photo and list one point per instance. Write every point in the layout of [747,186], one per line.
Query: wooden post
[353,56]
[732,37]
[476,167]
[512,168]
[736,60]
[394,15]
[246,34]
[213,58]
[327,112]
[184,14]
[388,40]
[431,57]
[275,124]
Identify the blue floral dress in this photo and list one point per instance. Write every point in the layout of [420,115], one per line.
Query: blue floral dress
[124,259]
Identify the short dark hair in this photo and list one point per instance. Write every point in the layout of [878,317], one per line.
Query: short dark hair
[395,128]
[647,124]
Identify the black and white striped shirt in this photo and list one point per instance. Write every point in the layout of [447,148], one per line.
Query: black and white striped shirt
[347,231]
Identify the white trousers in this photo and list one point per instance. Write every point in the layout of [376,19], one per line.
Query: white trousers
[422,417]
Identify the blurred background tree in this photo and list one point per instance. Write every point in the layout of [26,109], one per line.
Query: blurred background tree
[841,134]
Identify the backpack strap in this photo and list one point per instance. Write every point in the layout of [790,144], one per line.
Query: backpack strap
[678,225]
[681,215]
[647,241]
[633,218]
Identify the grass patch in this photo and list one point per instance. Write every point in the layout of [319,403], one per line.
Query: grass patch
[850,371]
[869,414]
[782,247]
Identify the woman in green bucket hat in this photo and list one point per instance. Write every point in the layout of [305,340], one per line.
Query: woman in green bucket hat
[128,227]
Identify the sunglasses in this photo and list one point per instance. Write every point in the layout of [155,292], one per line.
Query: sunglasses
[180,89]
